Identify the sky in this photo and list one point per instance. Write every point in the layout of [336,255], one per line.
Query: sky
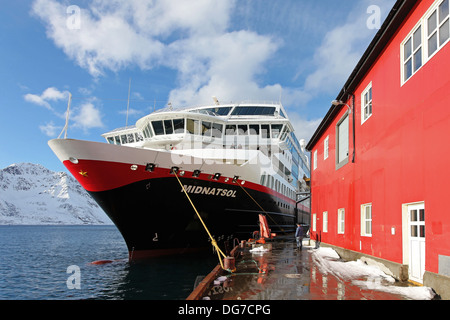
[299,52]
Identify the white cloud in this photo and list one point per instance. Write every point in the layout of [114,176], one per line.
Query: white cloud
[338,54]
[54,94]
[190,37]
[105,40]
[304,129]
[194,39]
[87,116]
[225,66]
[162,18]
[117,34]
[37,99]
[50,129]
[49,94]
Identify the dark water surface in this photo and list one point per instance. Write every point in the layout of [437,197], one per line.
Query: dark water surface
[34,262]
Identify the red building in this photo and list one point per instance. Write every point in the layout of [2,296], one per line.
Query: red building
[380,174]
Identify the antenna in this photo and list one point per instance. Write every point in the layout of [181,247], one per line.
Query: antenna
[128,103]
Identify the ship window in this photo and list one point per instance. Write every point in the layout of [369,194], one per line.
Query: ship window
[168,126]
[276,128]
[219,111]
[263,180]
[265,131]
[178,125]
[158,127]
[285,133]
[117,138]
[253,111]
[230,129]
[254,129]
[217,130]
[193,126]
[206,128]
[130,138]
[146,134]
[110,140]
[149,130]
[242,129]
[139,137]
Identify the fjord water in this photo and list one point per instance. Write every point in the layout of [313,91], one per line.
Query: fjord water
[34,262]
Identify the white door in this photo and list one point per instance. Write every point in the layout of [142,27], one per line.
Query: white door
[416,218]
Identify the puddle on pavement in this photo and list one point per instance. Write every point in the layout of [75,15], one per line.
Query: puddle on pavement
[285,273]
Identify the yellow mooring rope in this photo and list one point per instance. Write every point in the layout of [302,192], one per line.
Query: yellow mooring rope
[213,241]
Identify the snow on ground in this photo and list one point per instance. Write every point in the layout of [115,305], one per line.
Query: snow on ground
[365,276]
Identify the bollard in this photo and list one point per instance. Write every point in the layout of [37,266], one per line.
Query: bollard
[229,263]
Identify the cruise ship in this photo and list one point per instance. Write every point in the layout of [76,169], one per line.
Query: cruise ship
[179,178]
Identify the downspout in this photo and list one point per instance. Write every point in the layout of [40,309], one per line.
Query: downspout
[354,148]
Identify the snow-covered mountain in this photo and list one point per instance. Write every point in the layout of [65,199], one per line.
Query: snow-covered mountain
[31,194]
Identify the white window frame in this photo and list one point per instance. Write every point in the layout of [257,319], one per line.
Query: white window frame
[315,160]
[441,21]
[341,162]
[426,34]
[366,104]
[341,221]
[325,221]
[415,52]
[366,221]
[326,147]
[314,219]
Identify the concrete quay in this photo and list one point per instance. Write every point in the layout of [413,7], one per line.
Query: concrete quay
[277,270]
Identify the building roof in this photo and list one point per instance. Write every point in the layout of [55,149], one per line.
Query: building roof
[396,17]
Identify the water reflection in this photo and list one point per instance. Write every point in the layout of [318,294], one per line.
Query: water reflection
[166,278]
[287,274]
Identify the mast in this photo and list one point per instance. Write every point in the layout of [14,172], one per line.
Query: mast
[128,103]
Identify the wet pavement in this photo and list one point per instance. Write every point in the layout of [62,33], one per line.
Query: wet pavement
[285,273]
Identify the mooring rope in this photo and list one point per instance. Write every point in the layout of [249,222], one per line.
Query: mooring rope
[262,209]
[213,241]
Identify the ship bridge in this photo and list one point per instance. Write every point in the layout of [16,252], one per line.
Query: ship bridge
[230,134]
[241,126]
